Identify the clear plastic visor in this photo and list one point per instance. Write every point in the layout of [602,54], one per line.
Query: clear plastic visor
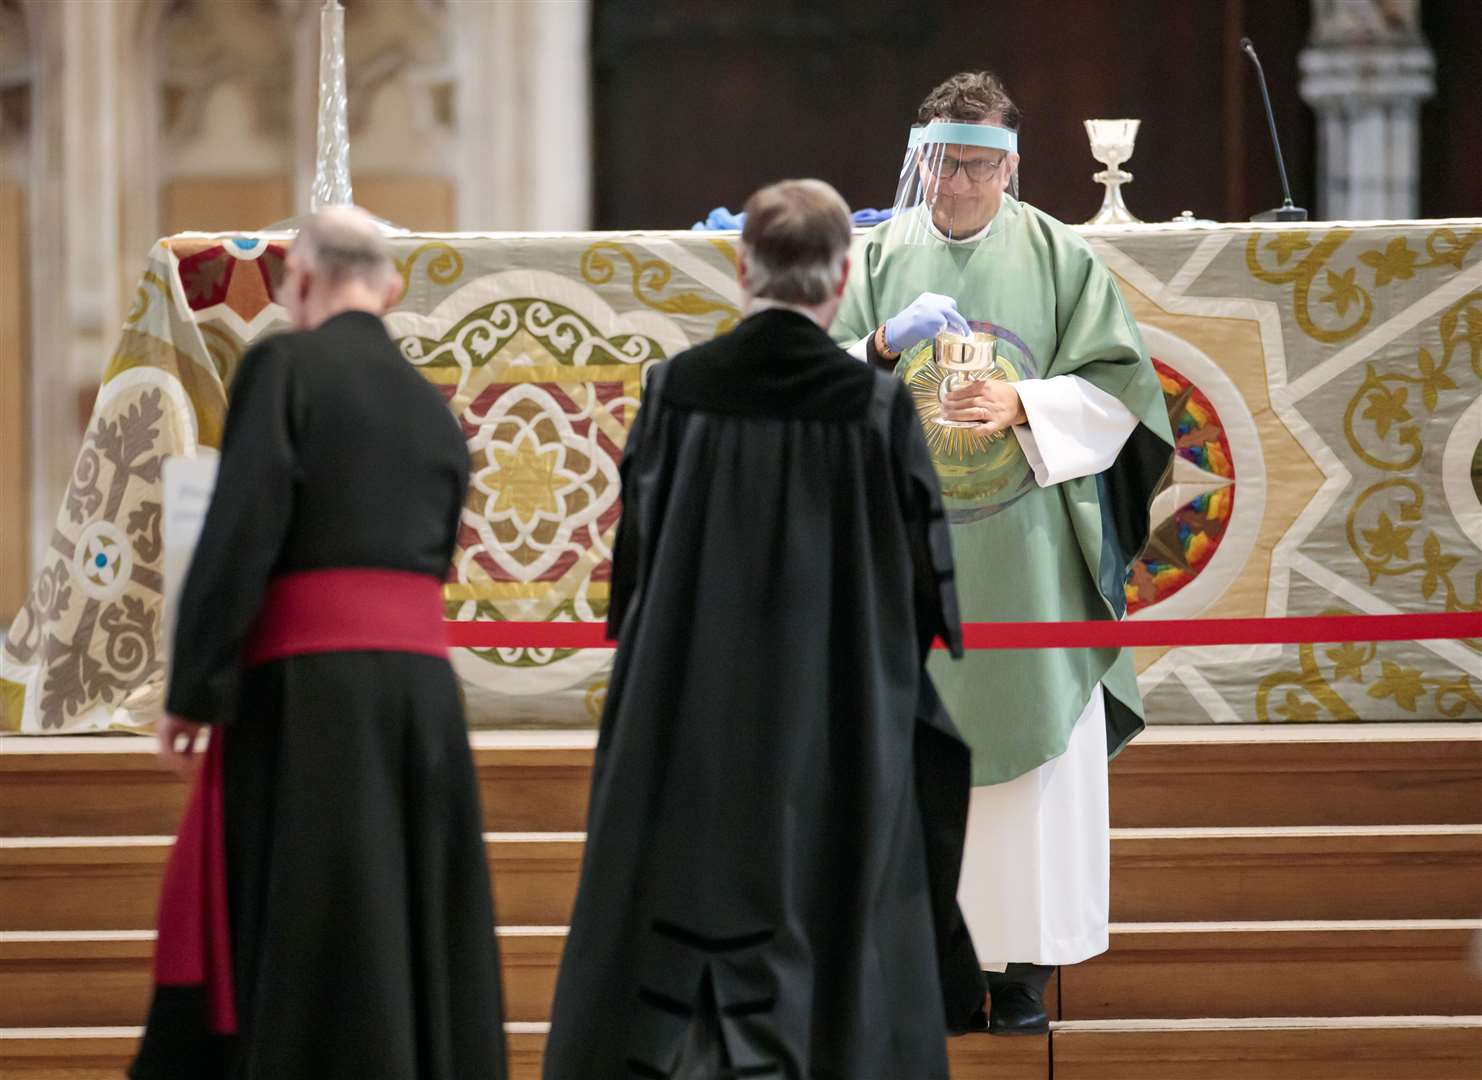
[952,180]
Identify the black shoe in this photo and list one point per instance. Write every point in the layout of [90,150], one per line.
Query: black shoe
[1015,1009]
[978,1021]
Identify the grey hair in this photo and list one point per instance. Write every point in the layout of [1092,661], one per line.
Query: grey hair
[796,239]
[344,244]
[800,283]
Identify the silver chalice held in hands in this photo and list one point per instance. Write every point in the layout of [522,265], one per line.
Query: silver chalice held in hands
[964,359]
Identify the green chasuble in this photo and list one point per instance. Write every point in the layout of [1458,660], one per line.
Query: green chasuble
[1024,552]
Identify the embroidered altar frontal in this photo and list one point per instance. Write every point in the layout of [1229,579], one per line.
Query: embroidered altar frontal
[1324,384]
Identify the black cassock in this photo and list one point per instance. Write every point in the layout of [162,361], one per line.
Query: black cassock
[362,926]
[778,798]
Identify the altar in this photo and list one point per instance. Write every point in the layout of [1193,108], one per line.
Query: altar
[1324,382]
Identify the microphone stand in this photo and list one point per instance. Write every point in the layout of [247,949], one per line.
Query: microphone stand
[1286,211]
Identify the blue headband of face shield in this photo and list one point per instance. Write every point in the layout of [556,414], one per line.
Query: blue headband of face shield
[946,131]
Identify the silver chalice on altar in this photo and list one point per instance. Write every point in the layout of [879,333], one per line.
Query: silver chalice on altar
[964,359]
[1111,144]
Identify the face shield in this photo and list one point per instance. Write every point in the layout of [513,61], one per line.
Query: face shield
[952,180]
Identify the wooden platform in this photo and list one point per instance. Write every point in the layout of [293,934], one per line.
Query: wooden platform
[1312,887]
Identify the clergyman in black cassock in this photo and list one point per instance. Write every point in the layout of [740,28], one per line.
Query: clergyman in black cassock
[361,923]
[778,798]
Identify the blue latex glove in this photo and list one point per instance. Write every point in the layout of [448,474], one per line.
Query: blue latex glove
[720,218]
[929,314]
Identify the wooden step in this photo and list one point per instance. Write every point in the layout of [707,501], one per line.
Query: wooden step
[81,883]
[1158,875]
[524,1043]
[104,979]
[534,876]
[1170,777]
[1348,1048]
[1337,872]
[1345,1048]
[112,883]
[99,1053]
[66,1053]
[102,1053]
[112,785]
[1299,774]
[984,1057]
[1190,970]
[1177,970]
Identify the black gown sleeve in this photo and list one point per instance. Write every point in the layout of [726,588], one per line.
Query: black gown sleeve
[937,614]
[628,543]
[941,762]
[460,498]
[872,354]
[240,542]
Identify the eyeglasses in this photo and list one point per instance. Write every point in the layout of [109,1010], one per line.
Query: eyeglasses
[977,170]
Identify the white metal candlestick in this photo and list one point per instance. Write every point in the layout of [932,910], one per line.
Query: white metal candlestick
[332,163]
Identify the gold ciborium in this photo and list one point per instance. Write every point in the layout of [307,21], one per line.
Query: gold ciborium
[964,359]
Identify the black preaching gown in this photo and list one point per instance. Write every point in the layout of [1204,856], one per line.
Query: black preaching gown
[777,798]
[361,920]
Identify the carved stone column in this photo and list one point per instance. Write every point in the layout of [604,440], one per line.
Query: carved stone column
[1365,71]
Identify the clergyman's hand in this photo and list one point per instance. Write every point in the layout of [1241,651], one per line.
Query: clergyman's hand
[929,314]
[178,739]
[992,404]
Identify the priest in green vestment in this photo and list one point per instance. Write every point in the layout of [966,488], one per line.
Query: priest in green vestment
[1048,429]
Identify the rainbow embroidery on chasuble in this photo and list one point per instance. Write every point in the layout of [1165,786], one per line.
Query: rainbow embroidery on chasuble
[1183,542]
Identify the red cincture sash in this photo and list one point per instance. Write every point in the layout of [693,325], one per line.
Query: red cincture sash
[317,611]
[194,945]
[349,610]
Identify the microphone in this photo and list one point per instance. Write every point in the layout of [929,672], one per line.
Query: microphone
[1286,211]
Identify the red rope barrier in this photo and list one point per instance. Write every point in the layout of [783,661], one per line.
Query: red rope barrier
[1057,635]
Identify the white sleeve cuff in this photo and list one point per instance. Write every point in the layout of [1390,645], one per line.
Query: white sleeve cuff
[857,350]
[1075,428]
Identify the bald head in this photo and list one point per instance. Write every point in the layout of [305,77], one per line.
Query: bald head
[339,262]
[342,242]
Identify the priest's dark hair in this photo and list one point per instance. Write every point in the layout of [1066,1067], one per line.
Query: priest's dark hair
[344,244]
[971,96]
[796,238]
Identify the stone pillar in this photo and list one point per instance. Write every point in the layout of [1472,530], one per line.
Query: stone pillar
[558,131]
[92,210]
[73,235]
[139,143]
[1365,71]
[523,115]
[302,19]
